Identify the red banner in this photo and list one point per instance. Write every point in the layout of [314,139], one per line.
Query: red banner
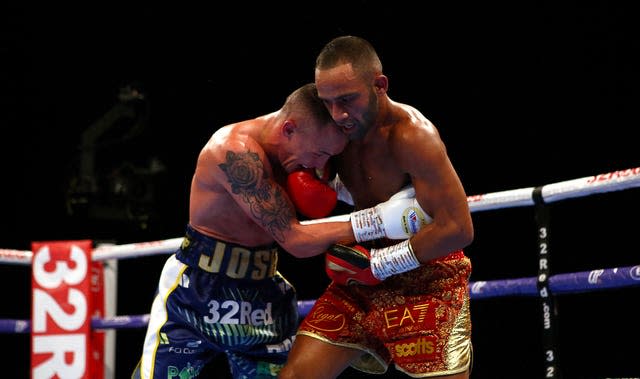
[61,310]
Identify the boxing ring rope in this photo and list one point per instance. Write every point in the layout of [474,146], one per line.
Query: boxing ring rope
[543,285]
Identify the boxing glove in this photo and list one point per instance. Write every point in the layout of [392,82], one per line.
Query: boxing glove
[399,217]
[310,194]
[348,265]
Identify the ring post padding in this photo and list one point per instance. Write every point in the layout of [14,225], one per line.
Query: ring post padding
[61,343]
[110,294]
[547,303]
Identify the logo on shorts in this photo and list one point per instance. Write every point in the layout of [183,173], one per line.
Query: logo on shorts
[187,372]
[267,370]
[416,348]
[325,320]
[422,314]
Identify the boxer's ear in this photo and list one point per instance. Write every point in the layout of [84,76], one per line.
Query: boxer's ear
[381,84]
[289,128]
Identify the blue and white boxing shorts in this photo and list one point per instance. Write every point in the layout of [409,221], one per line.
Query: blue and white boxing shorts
[216,298]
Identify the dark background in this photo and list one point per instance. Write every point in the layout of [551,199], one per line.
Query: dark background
[524,94]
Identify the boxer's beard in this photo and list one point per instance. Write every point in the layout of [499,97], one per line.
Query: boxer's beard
[368,117]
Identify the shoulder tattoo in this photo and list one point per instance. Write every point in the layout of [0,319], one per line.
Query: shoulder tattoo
[248,178]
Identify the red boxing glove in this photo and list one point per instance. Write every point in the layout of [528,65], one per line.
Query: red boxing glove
[310,194]
[347,265]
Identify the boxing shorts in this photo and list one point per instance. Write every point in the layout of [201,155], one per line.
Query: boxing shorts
[419,320]
[217,298]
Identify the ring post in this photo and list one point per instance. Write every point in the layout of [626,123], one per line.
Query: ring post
[110,283]
[547,303]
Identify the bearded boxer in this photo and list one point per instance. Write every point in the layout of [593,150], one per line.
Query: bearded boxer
[391,302]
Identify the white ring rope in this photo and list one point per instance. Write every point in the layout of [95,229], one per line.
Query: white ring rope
[608,182]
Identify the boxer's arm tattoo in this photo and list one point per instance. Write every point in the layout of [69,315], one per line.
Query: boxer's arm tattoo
[245,172]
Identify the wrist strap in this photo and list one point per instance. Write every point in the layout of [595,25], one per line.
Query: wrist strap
[393,260]
[367,225]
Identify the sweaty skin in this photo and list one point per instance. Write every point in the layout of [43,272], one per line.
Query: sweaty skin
[402,147]
[237,191]
[391,145]
[221,292]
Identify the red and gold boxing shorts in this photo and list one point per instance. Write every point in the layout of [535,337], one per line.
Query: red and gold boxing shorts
[419,320]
